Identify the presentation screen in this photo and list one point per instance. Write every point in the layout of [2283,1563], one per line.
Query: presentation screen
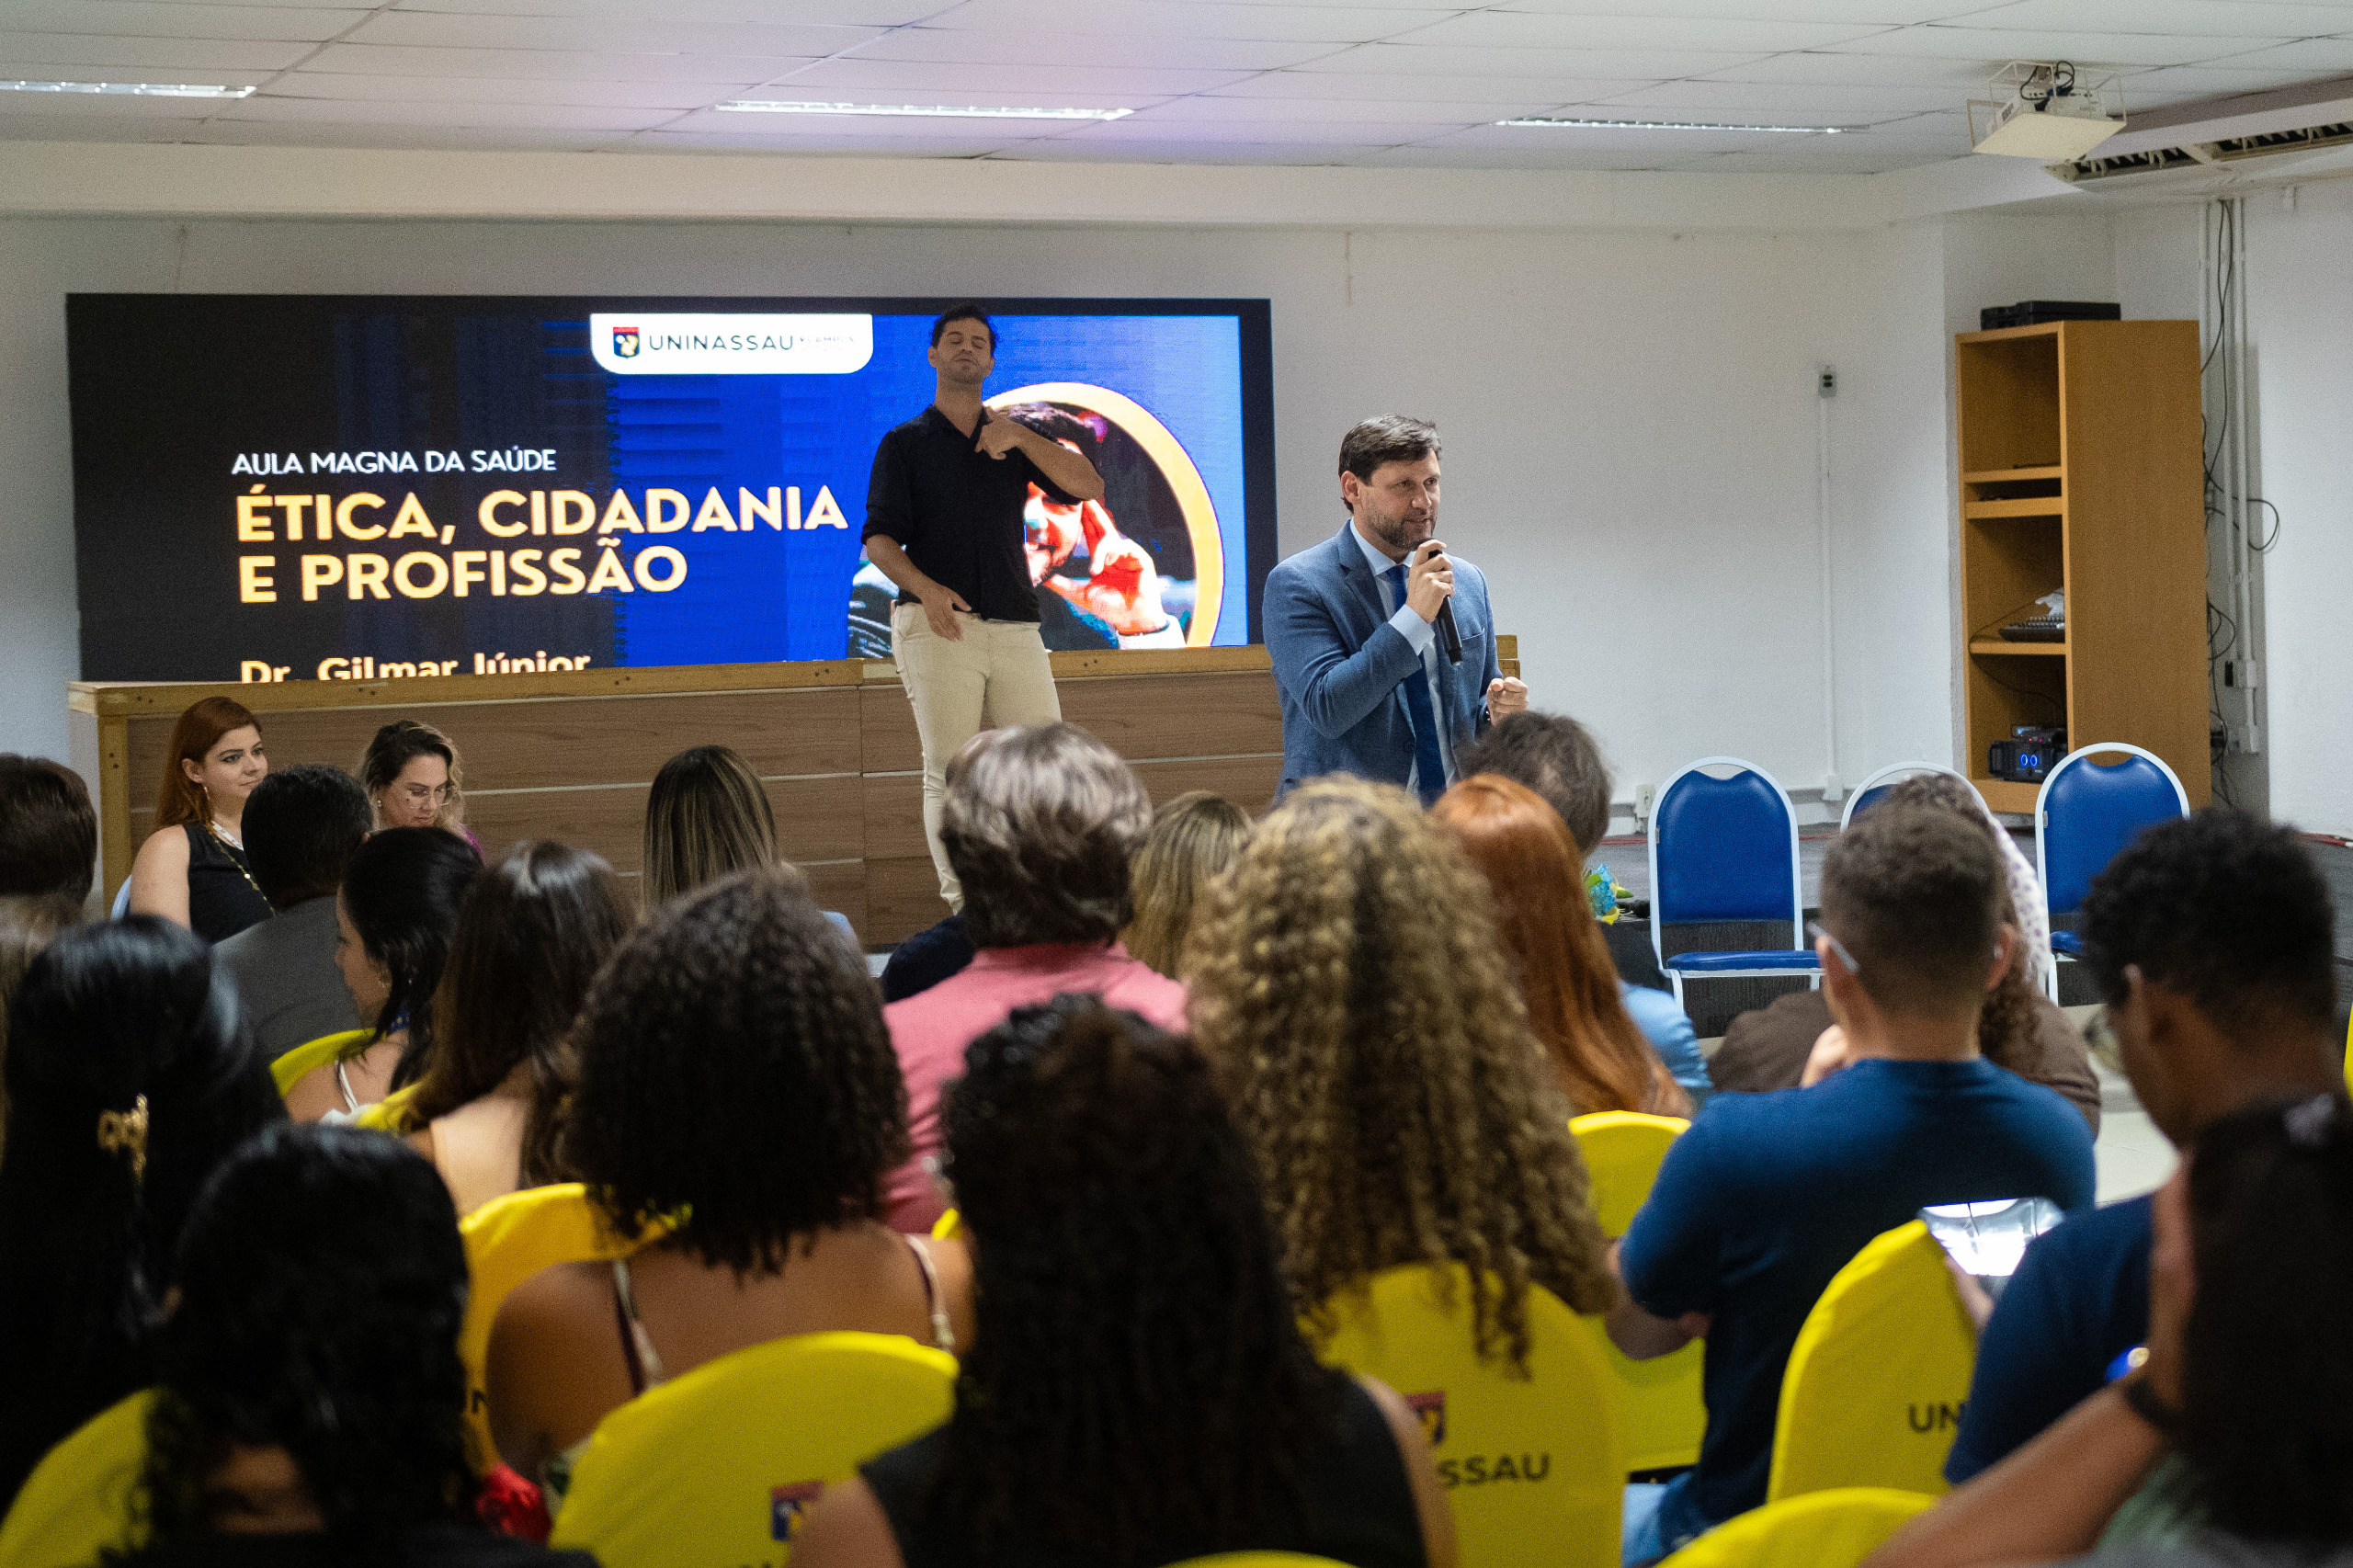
[319,487]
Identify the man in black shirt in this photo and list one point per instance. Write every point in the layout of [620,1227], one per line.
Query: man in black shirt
[944,523]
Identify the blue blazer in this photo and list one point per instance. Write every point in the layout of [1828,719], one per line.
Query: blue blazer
[1341,667]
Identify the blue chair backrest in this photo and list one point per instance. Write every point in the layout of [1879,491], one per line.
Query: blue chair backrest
[2089,812]
[1869,799]
[1724,850]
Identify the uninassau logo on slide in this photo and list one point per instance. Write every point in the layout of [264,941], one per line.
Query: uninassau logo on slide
[654,344]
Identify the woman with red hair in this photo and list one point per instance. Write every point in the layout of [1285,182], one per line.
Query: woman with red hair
[192,869]
[1599,1057]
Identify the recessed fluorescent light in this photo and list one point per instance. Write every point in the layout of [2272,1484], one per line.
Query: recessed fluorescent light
[1681,125]
[130,89]
[932,111]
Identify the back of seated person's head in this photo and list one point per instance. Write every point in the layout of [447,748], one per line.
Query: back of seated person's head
[1557,758]
[1915,894]
[401,893]
[733,1067]
[2222,909]
[2266,1368]
[131,1075]
[301,826]
[1040,826]
[1558,953]
[1194,838]
[48,833]
[706,817]
[321,1284]
[1352,987]
[531,936]
[2008,1029]
[1127,1289]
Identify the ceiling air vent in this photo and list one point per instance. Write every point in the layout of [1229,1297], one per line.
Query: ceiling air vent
[2224,141]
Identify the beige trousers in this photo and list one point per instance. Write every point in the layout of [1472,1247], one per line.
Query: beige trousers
[998,668]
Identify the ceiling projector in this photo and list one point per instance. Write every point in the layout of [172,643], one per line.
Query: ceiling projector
[2039,109]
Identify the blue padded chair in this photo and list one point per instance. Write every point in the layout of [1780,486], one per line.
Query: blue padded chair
[1872,790]
[2084,815]
[1726,849]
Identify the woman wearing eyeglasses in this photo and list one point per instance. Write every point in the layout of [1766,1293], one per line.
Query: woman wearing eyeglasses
[414,779]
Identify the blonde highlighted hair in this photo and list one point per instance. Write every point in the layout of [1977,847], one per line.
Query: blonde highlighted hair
[1194,838]
[1352,991]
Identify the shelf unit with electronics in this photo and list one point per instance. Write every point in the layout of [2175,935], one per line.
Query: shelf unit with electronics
[2081,468]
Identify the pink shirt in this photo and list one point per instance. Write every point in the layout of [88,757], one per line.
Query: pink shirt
[930,1030]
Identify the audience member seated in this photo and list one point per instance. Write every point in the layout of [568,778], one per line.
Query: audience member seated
[1194,837]
[130,1079]
[531,936]
[303,825]
[1353,991]
[1138,1393]
[1600,1059]
[414,779]
[708,817]
[2219,999]
[398,904]
[1040,826]
[2228,1448]
[925,959]
[193,868]
[310,1398]
[49,849]
[1768,1195]
[2020,1028]
[1557,758]
[736,1082]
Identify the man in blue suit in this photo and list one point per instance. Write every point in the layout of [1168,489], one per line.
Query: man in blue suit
[1351,626]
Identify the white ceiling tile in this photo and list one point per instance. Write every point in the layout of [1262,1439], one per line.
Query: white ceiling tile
[802,13]
[1883,13]
[405,137]
[1826,106]
[1587,160]
[2181,82]
[1217,132]
[581,65]
[787,131]
[1269,154]
[1806,161]
[409,28]
[1657,142]
[880,79]
[937,146]
[84,108]
[145,18]
[1996,45]
[106,128]
[2219,18]
[450,115]
[1334,111]
[1811,69]
[150,55]
[1058,49]
[1193,19]
[1521,30]
[356,87]
[2315,56]
[1374,87]
[1407,59]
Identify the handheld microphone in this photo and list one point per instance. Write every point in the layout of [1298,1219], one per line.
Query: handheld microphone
[1450,641]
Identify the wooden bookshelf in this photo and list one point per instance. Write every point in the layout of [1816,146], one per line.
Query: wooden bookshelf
[2080,469]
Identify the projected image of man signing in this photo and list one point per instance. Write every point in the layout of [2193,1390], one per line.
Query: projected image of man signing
[945,523]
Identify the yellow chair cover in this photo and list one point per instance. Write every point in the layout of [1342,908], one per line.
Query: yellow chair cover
[719,1467]
[76,1503]
[2348,1056]
[1534,1467]
[509,1239]
[389,1114]
[1259,1559]
[307,1058]
[1836,1528]
[948,1227]
[1667,1412]
[1879,1376]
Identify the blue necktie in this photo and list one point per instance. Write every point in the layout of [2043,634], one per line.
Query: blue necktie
[1429,763]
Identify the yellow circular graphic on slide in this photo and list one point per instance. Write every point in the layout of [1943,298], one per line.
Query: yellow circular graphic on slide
[1176,466]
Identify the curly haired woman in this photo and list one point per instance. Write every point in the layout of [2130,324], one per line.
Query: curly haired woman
[1138,1392]
[1350,985]
[733,1069]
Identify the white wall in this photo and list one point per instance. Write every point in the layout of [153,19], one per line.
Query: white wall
[1629,419]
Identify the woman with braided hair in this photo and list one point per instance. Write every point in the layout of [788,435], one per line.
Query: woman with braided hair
[733,1075]
[131,1076]
[1350,985]
[1138,1393]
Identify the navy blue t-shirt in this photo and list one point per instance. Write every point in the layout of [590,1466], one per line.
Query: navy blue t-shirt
[1768,1195]
[2079,1299]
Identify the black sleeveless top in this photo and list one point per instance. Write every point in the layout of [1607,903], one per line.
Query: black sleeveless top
[222,897]
[1358,1508]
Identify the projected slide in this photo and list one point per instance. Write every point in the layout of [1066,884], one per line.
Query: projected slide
[307,487]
